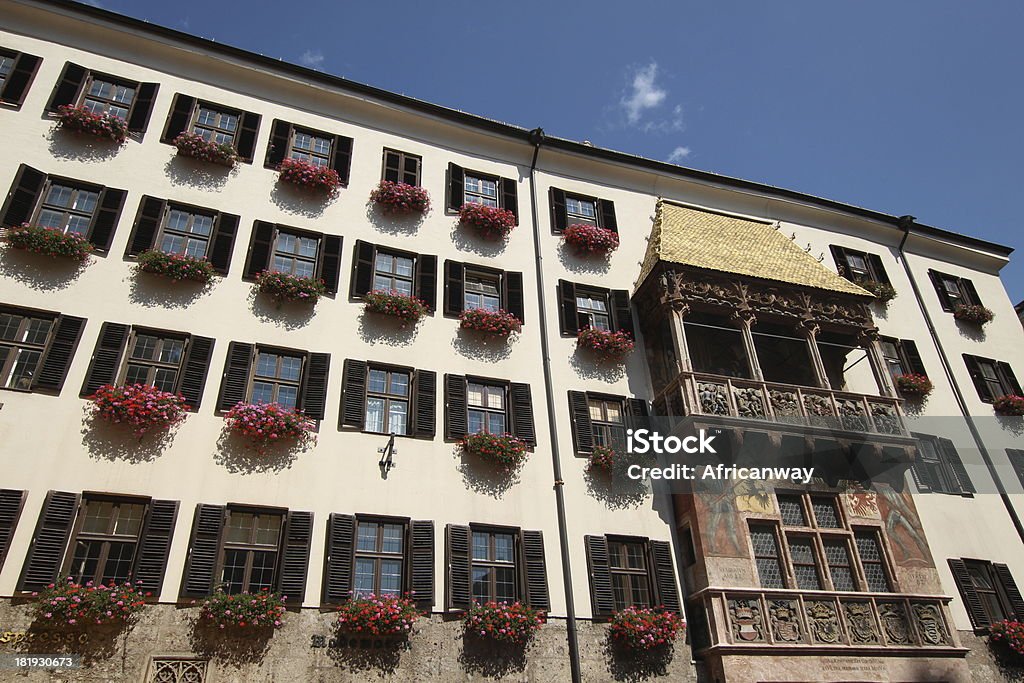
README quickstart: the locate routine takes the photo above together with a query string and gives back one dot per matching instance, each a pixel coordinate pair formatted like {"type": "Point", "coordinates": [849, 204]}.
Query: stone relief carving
{"type": "Point", "coordinates": [785, 621]}
{"type": "Point", "coordinates": [747, 623]}
{"type": "Point", "coordinates": [818, 405]}
{"type": "Point", "coordinates": [886, 418]}
{"type": "Point", "coordinates": [894, 622]}
{"type": "Point", "coordinates": [860, 622]}
{"type": "Point", "coordinates": [749, 402]}
{"type": "Point", "coordinates": [784, 403]}
{"type": "Point", "coordinates": [852, 413]}
{"type": "Point", "coordinates": [822, 621]}
{"type": "Point", "coordinates": [929, 624]}
{"type": "Point", "coordinates": [713, 399]}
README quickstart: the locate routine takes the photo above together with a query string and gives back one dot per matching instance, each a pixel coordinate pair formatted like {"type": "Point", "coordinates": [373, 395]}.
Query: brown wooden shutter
{"type": "Point", "coordinates": [421, 562]}
{"type": "Point", "coordinates": [362, 269]}
{"type": "Point", "coordinates": [940, 289]}
{"type": "Point", "coordinates": [147, 224]}
{"type": "Point", "coordinates": [21, 200]}
{"type": "Point", "coordinates": [664, 575]}
{"type": "Point", "coordinates": [234, 383]}
{"type": "Point", "coordinates": [622, 312]}
{"type": "Point", "coordinates": [923, 473]}
{"type": "Point", "coordinates": [510, 197]}
{"type": "Point", "coordinates": [330, 262]}
{"type": "Point", "coordinates": [68, 86]}
{"type": "Point", "coordinates": [248, 129]}
{"type": "Point", "coordinates": [223, 242]}
{"type": "Point", "coordinates": [341, 543]}
{"type": "Point", "coordinates": [45, 554]}
{"type": "Point", "coordinates": [11, 503]}
{"type": "Point", "coordinates": [972, 294]}
{"type": "Point", "coordinates": [456, 187]}
{"type": "Point", "coordinates": [956, 465]}
{"type": "Point", "coordinates": [104, 222]}
{"type": "Point", "coordinates": [142, 107]}
{"type": "Point", "coordinates": [426, 280]}
{"type": "Point", "coordinates": [258, 259]}
{"type": "Point", "coordinates": [298, 537]}
{"type": "Point", "coordinates": [974, 370]}
{"type": "Point", "coordinates": [972, 601]}
{"type": "Point", "coordinates": [839, 256]}
{"type": "Point", "coordinates": [425, 410]}
{"type": "Point", "coordinates": [1010, 589]}
{"type": "Point", "coordinates": [194, 369]}
{"type": "Point", "coordinates": [54, 367]}
{"type": "Point", "coordinates": [203, 551]}
{"type": "Point", "coordinates": [392, 166]}
{"type": "Point", "coordinates": [522, 413]}
{"type": "Point", "coordinates": [582, 427]}
{"type": "Point", "coordinates": [155, 546]}
{"type": "Point", "coordinates": [535, 570]}
{"type": "Point", "coordinates": [878, 268]}
{"type": "Point", "coordinates": [1016, 456]}
{"type": "Point", "coordinates": [559, 218]}
{"type": "Point", "coordinates": [913, 357]}
{"type": "Point", "coordinates": [457, 541]}
{"type": "Point", "coordinates": [514, 298]}
{"type": "Point", "coordinates": [637, 413]}
{"type": "Point", "coordinates": [18, 80]}
{"type": "Point", "coordinates": [454, 288]}
{"type": "Point", "coordinates": [1008, 379]}
{"type": "Point", "coordinates": [455, 403]}
{"type": "Point", "coordinates": [314, 387]}
{"type": "Point", "coordinates": [606, 210]}
{"type": "Point", "coordinates": [602, 598]}
{"type": "Point", "coordinates": [280, 135]}
{"type": "Point", "coordinates": [568, 320]}
{"type": "Point", "coordinates": [342, 161]}
{"type": "Point", "coordinates": [106, 357]}
{"type": "Point", "coordinates": [353, 394]}
{"type": "Point", "coordinates": [178, 118]}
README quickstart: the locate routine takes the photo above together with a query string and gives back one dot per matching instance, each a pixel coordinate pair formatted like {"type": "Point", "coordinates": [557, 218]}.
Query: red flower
{"type": "Point", "coordinates": [81, 120]}
{"type": "Point", "coordinates": [49, 241]}
{"type": "Point", "coordinates": [490, 222]}
{"type": "Point", "coordinates": [195, 146]}
{"type": "Point", "coordinates": [283, 286]}
{"type": "Point", "coordinates": [643, 628]}
{"type": "Point", "coordinates": [499, 323]}
{"type": "Point", "coordinates": [590, 239]}
{"type": "Point", "coordinates": [310, 176]}
{"type": "Point", "coordinates": [402, 306]}
{"type": "Point", "coordinates": [504, 450]}
{"type": "Point", "coordinates": [609, 346]}
{"type": "Point", "coordinates": [914, 385]}
{"type": "Point", "coordinates": [141, 406]}
{"type": "Point", "coordinates": [400, 198]}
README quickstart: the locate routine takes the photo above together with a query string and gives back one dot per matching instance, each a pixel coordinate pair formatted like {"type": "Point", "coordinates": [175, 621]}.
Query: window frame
{"type": "Point", "coordinates": [486, 410]}
{"type": "Point", "coordinates": [582, 219]}
{"type": "Point", "coordinates": [603, 430]}
{"type": "Point", "coordinates": [594, 293]}
{"type": "Point", "coordinates": [250, 547]}
{"type": "Point", "coordinates": [632, 575]}
{"type": "Point", "coordinates": [294, 257]}
{"type": "Point", "coordinates": [221, 111]}
{"type": "Point", "coordinates": [116, 81]}
{"type": "Point", "coordinates": [277, 381]}
{"type": "Point", "coordinates": [484, 275]}
{"type": "Point", "coordinates": [868, 272]}
{"type": "Point", "coordinates": [516, 564]}
{"type": "Point", "coordinates": [106, 539]}
{"type": "Point", "coordinates": [402, 172]}
{"type": "Point", "coordinates": [409, 396]}
{"type": "Point", "coordinates": [17, 347]}
{"type": "Point", "coordinates": [13, 56]}
{"type": "Point", "coordinates": [412, 279]}
{"type": "Point", "coordinates": [488, 177]}
{"type": "Point", "coordinates": [942, 470]}
{"type": "Point", "coordinates": [154, 365]}
{"type": "Point", "coordinates": [164, 228]}
{"type": "Point", "coordinates": [378, 555]}
{"type": "Point", "coordinates": [76, 187]}
{"type": "Point", "coordinates": [296, 130]}
{"type": "Point", "coordinates": [996, 591]}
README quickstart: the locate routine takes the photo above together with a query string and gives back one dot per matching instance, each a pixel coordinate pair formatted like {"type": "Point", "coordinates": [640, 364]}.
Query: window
{"type": "Point", "coordinates": [401, 167]}
{"type": "Point", "coordinates": [592, 310]}
{"type": "Point", "coordinates": [322, 149]}
{"type": "Point", "coordinates": [474, 187]}
{"type": "Point", "coordinates": [468, 286]}
{"type": "Point", "coordinates": [103, 95]}
{"type": "Point", "coordinates": [766, 555]}
{"type": "Point", "coordinates": [872, 561]}
{"type": "Point", "coordinates": [376, 267]}
{"type": "Point", "coordinates": [295, 254]}
{"type": "Point", "coordinates": [629, 571]}
{"type": "Point", "coordinates": [493, 566]}
{"type": "Point", "coordinates": [606, 421]}
{"type": "Point", "coordinates": [215, 125]}
{"type": "Point", "coordinates": [992, 378]}
{"type": "Point", "coordinates": [68, 208]}
{"type": "Point", "coordinates": [901, 357]}
{"type": "Point", "coordinates": [939, 468]}
{"type": "Point", "coordinates": [954, 291]}
{"type": "Point", "coordinates": [600, 419]}
{"type": "Point", "coordinates": [387, 401]}
{"type": "Point", "coordinates": [276, 379]}
{"type": "Point", "coordinates": [17, 70]}
{"type": "Point", "coordinates": [858, 265]}
{"type": "Point", "coordinates": [582, 306]}
{"type": "Point", "coordinates": [311, 147]}
{"type": "Point", "coordinates": [105, 542]}
{"type": "Point", "coordinates": [186, 232]}
{"type": "Point", "coordinates": [486, 408]}
{"type": "Point", "coordinates": [393, 273]}
{"type": "Point", "coordinates": [22, 344]}
{"type": "Point", "coordinates": [178, 670]}
{"type": "Point", "coordinates": [716, 346]}
{"type": "Point", "coordinates": [153, 360]}
{"type": "Point", "coordinates": [249, 556]}
{"type": "Point", "coordinates": [988, 591]}
{"type": "Point", "coordinates": [575, 209]}
{"type": "Point", "coordinates": [6, 66]}
{"type": "Point", "coordinates": [378, 558]}
{"type": "Point", "coordinates": [630, 583]}
{"type": "Point", "coordinates": [482, 290]}
{"type": "Point", "coordinates": [481, 190]}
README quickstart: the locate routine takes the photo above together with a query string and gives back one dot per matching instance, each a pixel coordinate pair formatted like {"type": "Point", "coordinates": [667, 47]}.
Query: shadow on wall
{"type": "Point", "coordinates": [474, 344]}
{"type": "Point", "coordinates": [483, 477]}
{"type": "Point", "coordinates": [615, 490]}
{"type": "Point", "coordinates": [595, 265]}
{"type": "Point", "coordinates": [93, 642]}
{"type": "Point", "coordinates": [393, 224]}
{"type": "Point", "coordinates": [969, 330]}
{"type": "Point", "coordinates": [291, 315]}
{"type": "Point", "coordinates": [117, 443]}
{"type": "Point", "coordinates": [40, 272]}
{"type": "Point", "coordinates": [239, 455]}
{"type": "Point", "coordinates": [299, 202]}
{"type": "Point", "coordinates": [1011, 423]}
{"type": "Point", "coordinates": [485, 657]}
{"type": "Point", "coordinates": [587, 366]}
{"type": "Point", "coordinates": [229, 646]}
{"type": "Point", "coordinates": [71, 146]}
{"type": "Point", "coordinates": [465, 240]}
{"type": "Point", "coordinates": [372, 657]}
{"type": "Point", "coordinates": [387, 330]}
{"type": "Point", "coordinates": [203, 175]}
{"type": "Point", "coordinates": [635, 666]}
{"type": "Point", "coordinates": [155, 291]}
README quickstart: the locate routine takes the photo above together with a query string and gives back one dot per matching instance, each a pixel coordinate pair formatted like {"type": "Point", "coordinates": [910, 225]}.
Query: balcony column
{"type": "Point", "coordinates": [868, 339]}
{"type": "Point", "coordinates": [746, 320]}
{"type": "Point", "coordinates": [810, 330]}
{"type": "Point", "coordinates": [677, 313]}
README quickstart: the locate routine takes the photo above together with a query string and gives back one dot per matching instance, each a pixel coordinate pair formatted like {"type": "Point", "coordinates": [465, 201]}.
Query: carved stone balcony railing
{"type": "Point", "coordinates": [702, 394]}
{"type": "Point", "coordinates": [756, 619]}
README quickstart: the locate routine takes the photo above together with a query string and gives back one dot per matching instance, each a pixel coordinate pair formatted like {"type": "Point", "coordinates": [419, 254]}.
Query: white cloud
{"type": "Point", "coordinates": [678, 154]}
{"type": "Point", "coordinates": [312, 58]}
{"type": "Point", "coordinates": [645, 93]}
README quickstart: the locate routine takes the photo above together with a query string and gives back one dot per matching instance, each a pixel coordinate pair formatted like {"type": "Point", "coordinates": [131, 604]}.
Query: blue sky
{"type": "Point", "coordinates": [903, 107]}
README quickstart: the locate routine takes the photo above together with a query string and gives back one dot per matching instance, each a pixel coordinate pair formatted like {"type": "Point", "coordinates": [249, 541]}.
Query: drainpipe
{"type": "Point", "coordinates": [537, 139]}
{"type": "Point", "coordinates": [905, 223]}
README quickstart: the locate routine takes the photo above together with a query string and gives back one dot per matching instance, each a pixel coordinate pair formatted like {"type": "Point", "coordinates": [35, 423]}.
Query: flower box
{"type": "Point", "coordinates": [386, 615]}
{"type": "Point", "coordinates": [503, 450]}
{"type": "Point", "coordinates": [513, 623]}
{"type": "Point", "coordinates": [602, 459]}
{"type": "Point", "coordinates": [285, 287]}
{"type": "Point", "coordinates": [883, 291]}
{"type": "Point", "coordinates": [49, 242]}
{"type": "Point", "coordinates": [176, 266]}
{"type": "Point", "coordinates": [1008, 634]}
{"type": "Point", "coordinates": [643, 628]}
{"type": "Point", "coordinates": [1009, 405]}
{"type": "Point", "coordinates": [82, 120]}
{"type": "Point", "coordinates": [142, 407]}
{"type": "Point", "coordinates": [268, 423]}
{"type": "Point", "coordinates": [489, 222]}
{"type": "Point", "coordinates": [914, 385]}
{"type": "Point", "coordinates": [498, 323]}
{"type": "Point", "coordinates": [400, 198]}
{"type": "Point", "coordinates": [609, 346]}
{"type": "Point", "coordinates": [978, 315]}
{"type": "Point", "coordinates": [250, 611]}
{"type": "Point", "coordinates": [67, 603]}
{"type": "Point", "coordinates": [401, 306]}
{"type": "Point", "coordinates": [590, 239]}
{"type": "Point", "coordinates": [309, 176]}
{"type": "Point", "coordinates": [197, 147]}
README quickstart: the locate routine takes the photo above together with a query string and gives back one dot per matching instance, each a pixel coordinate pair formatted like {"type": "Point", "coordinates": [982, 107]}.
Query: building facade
{"type": "Point", "coordinates": [757, 312]}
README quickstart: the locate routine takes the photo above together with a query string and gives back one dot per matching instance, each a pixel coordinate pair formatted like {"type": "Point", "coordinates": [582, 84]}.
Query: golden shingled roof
{"type": "Point", "coordinates": [703, 239]}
